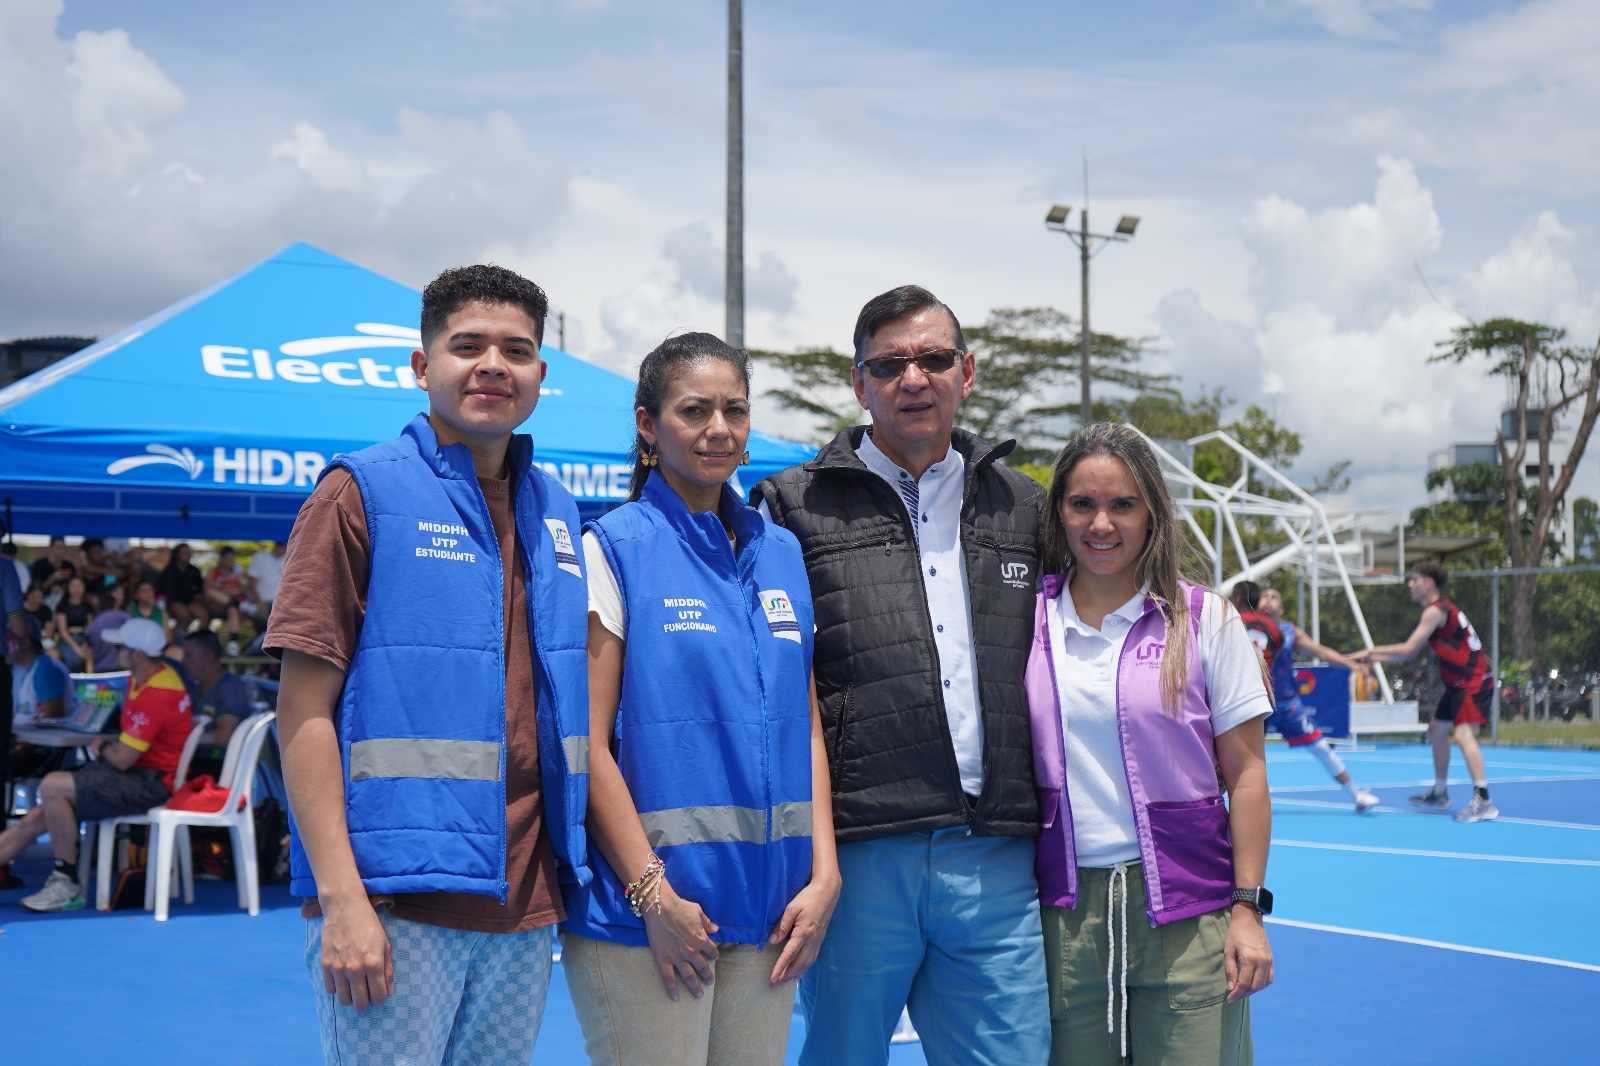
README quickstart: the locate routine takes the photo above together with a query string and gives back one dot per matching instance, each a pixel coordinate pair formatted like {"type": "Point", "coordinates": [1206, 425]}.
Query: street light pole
{"type": "Point", "coordinates": [733, 283]}
{"type": "Point", "coordinates": [1056, 221]}
{"type": "Point", "coordinates": [1085, 407]}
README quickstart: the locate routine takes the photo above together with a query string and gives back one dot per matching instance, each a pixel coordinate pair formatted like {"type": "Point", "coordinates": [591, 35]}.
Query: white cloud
{"type": "Point", "coordinates": [697, 258]}
{"type": "Point", "coordinates": [1343, 329]}
{"type": "Point", "coordinates": [1360, 18]}
{"type": "Point", "coordinates": [118, 203]}
{"type": "Point", "coordinates": [328, 168]}
{"type": "Point", "coordinates": [1358, 262]}
{"type": "Point", "coordinates": [700, 265]}
{"type": "Point", "coordinates": [1533, 278]}
{"type": "Point", "coordinates": [122, 99]}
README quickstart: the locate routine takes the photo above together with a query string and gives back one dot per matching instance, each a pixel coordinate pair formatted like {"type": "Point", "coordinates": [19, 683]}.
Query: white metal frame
{"type": "Point", "coordinates": [1312, 547]}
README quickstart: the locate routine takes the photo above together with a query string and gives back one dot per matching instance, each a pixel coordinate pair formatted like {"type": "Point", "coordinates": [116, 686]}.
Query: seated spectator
{"type": "Point", "coordinates": [184, 588]}
{"type": "Point", "coordinates": [266, 571]}
{"type": "Point", "coordinates": [72, 621]}
{"type": "Point", "coordinates": [103, 655]}
{"type": "Point", "coordinates": [130, 774]}
{"type": "Point", "coordinates": [225, 594]}
{"type": "Point", "coordinates": [146, 606]}
{"type": "Point", "coordinates": [33, 604]}
{"type": "Point", "coordinates": [136, 567]}
{"type": "Point", "coordinates": [40, 687]}
{"type": "Point", "coordinates": [223, 695]}
{"type": "Point", "coordinates": [52, 572]}
{"type": "Point", "coordinates": [100, 569]}
{"type": "Point", "coordinates": [8, 554]}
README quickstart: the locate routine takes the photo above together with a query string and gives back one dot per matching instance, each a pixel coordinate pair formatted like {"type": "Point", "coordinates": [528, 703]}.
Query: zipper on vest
{"type": "Point", "coordinates": [953, 766]}
{"type": "Point", "coordinates": [500, 626]}
{"type": "Point", "coordinates": [850, 545]}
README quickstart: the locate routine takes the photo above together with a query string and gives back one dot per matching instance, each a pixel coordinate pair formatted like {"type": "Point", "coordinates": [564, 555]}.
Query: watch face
{"type": "Point", "coordinates": [1264, 900]}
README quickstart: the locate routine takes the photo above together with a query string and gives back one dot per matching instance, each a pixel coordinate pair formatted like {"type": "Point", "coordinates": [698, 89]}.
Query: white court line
{"type": "Point", "coordinates": [1413, 785]}
{"type": "Point", "coordinates": [1427, 760]}
{"type": "Point", "coordinates": [1434, 944]}
{"type": "Point", "coordinates": [1433, 814]}
{"type": "Point", "coordinates": [1463, 781]}
{"type": "Point", "coordinates": [1432, 854]}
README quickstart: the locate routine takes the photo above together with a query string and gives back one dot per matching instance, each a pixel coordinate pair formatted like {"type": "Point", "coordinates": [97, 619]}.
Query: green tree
{"type": "Point", "coordinates": [816, 384]}
{"type": "Point", "coordinates": [1548, 380]}
{"type": "Point", "coordinates": [1028, 364]}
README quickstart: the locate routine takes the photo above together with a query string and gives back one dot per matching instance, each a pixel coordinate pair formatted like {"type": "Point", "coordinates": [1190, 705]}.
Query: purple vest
{"type": "Point", "coordinates": [1171, 763]}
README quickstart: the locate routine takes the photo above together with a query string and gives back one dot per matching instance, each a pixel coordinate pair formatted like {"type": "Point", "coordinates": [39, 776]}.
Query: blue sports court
{"type": "Point", "coordinates": [1401, 936]}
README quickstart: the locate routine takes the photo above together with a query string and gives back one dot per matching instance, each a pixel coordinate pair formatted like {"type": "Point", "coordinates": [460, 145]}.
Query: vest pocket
{"type": "Point", "coordinates": [1194, 856]}
{"type": "Point", "coordinates": [839, 734]}
{"type": "Point", "coordinates": [1193, 950]}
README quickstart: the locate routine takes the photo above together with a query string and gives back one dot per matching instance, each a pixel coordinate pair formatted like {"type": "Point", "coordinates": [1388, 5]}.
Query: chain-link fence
{"type": "Point", "coordinates": [1553, 671]}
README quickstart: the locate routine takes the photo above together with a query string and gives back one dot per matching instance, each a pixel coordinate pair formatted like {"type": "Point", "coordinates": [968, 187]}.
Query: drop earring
{"type": "Point", "coordinates": [648, 456]}
{"type": "Point", "coordinates": [746, 460]}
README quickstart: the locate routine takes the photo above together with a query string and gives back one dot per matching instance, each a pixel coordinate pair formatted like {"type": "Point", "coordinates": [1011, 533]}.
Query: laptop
{"type": "Point", "coordinates": [97, 698]}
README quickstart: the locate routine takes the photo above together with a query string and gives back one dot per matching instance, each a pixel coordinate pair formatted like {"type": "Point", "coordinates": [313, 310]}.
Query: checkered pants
{"type": "Point", "coordinates": [473, 999]}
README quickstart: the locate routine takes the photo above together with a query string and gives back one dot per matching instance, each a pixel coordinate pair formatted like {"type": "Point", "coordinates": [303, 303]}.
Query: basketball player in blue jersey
{"type": "Point", "coordinates": [1262, 613]}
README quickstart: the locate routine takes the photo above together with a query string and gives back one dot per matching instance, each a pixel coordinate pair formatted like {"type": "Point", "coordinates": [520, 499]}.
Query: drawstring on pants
{"type": "Point", "coordinates": [1118, 872]}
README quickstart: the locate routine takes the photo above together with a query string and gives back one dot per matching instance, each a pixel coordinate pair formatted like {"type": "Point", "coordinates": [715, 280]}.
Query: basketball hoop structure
{"type": "Point", "coordinates": [1311, 547]}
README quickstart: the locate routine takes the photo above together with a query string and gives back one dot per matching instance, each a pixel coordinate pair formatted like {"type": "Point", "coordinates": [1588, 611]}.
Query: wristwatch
{"type": "Point", "coordinates": [1259, 898]}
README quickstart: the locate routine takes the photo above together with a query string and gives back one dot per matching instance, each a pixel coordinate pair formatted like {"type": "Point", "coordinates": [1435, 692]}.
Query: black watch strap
{"type": "Point", "coordinates": [1259, 898]}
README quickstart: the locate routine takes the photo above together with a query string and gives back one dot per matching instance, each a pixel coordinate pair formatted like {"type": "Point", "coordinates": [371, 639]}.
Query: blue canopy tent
{"type": "Point", "coordinates": [213, 418]}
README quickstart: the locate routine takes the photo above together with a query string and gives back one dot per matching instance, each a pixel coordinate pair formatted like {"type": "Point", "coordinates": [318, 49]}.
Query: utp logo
{"type": "Point", "coordinates": [1014, 574]}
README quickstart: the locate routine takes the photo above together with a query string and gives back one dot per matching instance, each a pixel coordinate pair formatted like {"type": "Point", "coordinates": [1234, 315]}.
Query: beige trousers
{"type": "Point", "coordinates": [628, 1020]}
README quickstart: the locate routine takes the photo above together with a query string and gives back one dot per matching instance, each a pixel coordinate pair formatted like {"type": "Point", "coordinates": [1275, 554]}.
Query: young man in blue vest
{"type": "Point", "coordinates": [434, 708]}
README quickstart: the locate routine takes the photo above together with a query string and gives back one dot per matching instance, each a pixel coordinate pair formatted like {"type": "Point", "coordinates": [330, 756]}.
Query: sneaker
{"type": "Point", "coordinates": [1433, 798]}
{"type": "Point", "coordinates": [1365, 801]}
{"type": "Point", "coordinates": [1479, 810]}
{"type": "Point", "coordinates": [60, 893]}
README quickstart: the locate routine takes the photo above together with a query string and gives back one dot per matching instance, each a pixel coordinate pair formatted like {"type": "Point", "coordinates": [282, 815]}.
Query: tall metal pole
{"type": "Point", "coordinates": [1085, 408]}
{"type": "Point", "coordinates": [733, 285]}
{"type": "Point", "coordinates": [1494, 656]}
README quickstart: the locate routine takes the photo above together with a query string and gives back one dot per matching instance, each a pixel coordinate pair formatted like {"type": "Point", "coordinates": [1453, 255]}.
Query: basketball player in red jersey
{"type": "Point", "coordinates": [1468, 678]}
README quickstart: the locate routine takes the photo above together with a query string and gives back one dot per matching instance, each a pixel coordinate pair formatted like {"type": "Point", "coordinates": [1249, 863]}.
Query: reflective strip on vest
{"type": "Point", "coordinates": [577, 749]}
{"type": "Point", "coordinates": [456, 760]}
{"type": "Point", "coordinates": [724, 825]}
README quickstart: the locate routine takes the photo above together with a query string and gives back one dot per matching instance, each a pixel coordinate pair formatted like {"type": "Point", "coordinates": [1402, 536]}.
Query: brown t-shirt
{"type": "Point", "coordinates": [319, 608]}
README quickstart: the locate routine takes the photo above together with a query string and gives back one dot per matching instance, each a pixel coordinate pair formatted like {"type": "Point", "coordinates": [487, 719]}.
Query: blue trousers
{"type": "Point", "coordinates": [460, 999]}
{"type": "Point", "coordinates": [946, 924]}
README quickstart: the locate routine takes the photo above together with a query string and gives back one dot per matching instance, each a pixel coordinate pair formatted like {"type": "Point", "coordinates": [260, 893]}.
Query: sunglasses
{"type": "Point", "coordinates": [892, 366]}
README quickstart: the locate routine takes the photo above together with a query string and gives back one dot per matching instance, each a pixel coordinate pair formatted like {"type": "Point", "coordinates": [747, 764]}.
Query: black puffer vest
{"type": "Point", "coordinates": [876, 665]}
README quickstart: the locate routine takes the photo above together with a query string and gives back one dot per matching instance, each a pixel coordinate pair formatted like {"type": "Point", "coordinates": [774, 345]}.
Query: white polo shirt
{"type": "Point", "coordinates": [937, 519]}
{"type": "Point", "coordinates": [1086, 659]}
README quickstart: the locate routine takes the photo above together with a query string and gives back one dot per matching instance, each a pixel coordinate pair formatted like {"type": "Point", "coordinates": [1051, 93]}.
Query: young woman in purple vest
{"type": "Point", "coordinates": [1147, 700]}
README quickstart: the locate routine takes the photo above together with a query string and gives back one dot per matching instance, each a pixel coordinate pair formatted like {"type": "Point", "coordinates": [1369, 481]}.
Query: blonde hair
{"type": "Point", "coordinates": [1159, 568]}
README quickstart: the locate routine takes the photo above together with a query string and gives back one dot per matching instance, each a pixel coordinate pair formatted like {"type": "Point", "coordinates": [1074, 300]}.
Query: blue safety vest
{"type": "Point", "coordinates": [1284, 686]}
{"type": "Point", "coordinates": [713, 730]}
{"type": "Point", "coordinates": [422, 720]}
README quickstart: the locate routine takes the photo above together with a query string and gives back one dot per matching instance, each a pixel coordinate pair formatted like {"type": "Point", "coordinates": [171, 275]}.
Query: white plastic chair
{"type": "Point", "coordinates": [107, 827]}
{"type": "Point", "coordinates": [169, 829]}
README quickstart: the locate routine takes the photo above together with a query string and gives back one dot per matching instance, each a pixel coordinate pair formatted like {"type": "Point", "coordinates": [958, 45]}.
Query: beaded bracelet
{"type": "Point", "coordinates": [655, 872]}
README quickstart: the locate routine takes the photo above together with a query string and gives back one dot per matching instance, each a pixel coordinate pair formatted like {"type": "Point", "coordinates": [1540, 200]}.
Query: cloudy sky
{"type": "Point", "coordinates": [1326, 185]}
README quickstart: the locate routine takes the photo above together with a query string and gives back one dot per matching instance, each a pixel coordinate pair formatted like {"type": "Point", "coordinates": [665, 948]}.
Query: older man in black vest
{"type": "Point", "coordinates": [922, 552]}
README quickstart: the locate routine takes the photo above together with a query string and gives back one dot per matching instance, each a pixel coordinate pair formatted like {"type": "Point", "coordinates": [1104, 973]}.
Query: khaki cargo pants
{"type": "Point", "coordinates": [1177, 1015]}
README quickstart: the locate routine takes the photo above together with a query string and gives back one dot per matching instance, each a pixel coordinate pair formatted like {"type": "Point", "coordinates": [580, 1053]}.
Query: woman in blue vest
{"type": "Point", "coordinates": [709, 793]}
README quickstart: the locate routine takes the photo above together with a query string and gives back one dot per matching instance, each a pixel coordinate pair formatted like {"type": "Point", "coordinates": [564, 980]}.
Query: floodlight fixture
{"type": "Point", "coordinates": [1057, 217]}
{"type": "Point", "coordinates": [1128, 224]}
